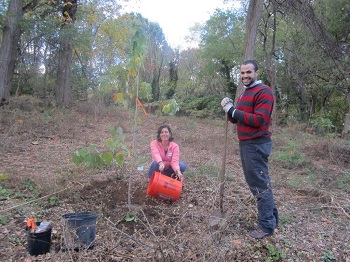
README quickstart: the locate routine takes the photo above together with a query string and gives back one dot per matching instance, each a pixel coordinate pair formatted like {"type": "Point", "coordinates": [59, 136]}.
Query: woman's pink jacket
{"type": "Point", "coordinates": [169, 158]}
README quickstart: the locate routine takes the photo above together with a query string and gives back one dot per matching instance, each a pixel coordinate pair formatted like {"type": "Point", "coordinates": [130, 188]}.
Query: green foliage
{"type": "Point", "coordinates": [322, 125]}
{"type": "Point", "coordinates": [285, 220]}
{"type": "Point", "coordinates": [222, 49]}
{"type": "Point", "coordinates": [328, 256]}
{"type": "Point", "coordinates": [170, 107]}
{"type": "Point", "coordinates": [202, 107]}
{"type": "Point", "coordinates": [3, 177]}
{"type": "Point", "coordinates": [90, 157]}
{"type": "Point", "coordinates": [275, 253]}
{"type": "Point", "coordinates": [31, 186]}
{"type": "Point", "coordinates": [109, 48]}
{"type": "Point", "coordinates": [138, 50]}
{"type": "Point", "coordinates": [47, 115]}
{"type": "Point", "coordinates": [87, 156]}
{"type": "Point", "coordinates": [53, 200]}
{"type": "Point", "coordinates": [208, 170]}
{"type": "Point", "coordinates": [130, 218]}
{"type": "Point", "coordinates": [145, 91]}
{"type": "Point", "coordinates": [290, 156]}
{"type": "Point", "coordinates": [344, 181]}
{"type": "Point", "coordinates": [4, 219]}
{"type": "Point", "coordinates": [5, 192]}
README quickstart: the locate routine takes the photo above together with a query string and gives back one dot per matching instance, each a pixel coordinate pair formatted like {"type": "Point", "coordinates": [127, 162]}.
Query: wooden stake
{"type": "Point", "coordinates": [223, 168]}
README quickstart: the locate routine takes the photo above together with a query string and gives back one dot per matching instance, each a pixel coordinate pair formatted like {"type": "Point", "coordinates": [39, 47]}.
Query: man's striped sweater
{"type": "Point", "coordinates": [253, 113]}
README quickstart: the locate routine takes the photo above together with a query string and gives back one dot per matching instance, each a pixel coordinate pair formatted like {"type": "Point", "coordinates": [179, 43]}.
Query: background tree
{"type": "Point", "coordinates": [302, 48]}
{"type": "Point", "coordinates": [254, 13]}
{"type": "Point", "coordinates": [63, 84]}
{"type": "Point", "coordinates": [316, 69]}
{"type": "Point", "coordinates": [9, 47]}
{"type": "Point", "coordinates": [222, 49]}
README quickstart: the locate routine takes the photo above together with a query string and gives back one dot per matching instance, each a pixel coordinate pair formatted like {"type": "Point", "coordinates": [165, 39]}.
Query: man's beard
{"type": "Point", "coordinates": [251, 81]}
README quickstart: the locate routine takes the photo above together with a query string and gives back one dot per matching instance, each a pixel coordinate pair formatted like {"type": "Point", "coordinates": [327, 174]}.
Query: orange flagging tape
{"type": "Point", "coordinates": [141, 105]}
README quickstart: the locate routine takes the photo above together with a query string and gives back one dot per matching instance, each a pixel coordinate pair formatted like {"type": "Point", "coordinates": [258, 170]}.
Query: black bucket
{"type": "Point", "coordinates": [79, 230]}
{"type": "Point", "coordinates": [39, 243]}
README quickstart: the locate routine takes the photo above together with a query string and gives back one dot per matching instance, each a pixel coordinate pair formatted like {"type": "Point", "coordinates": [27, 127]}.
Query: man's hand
{"type": "Point", "coordinates": [226, 104]}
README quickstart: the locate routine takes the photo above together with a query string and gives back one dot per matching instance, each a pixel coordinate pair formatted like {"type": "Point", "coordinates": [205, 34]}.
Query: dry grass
{"type": "Point", "coordinates": [313, 198]}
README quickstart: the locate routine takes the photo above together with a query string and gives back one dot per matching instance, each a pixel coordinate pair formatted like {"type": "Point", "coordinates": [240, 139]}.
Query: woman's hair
{"type": "Point", "coordinates": [171, 138]}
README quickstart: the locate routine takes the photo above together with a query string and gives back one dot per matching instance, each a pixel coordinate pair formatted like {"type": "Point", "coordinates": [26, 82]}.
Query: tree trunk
{"type": "Point", "coordinates": [347, 121]}
{"type": "Point", "coordinates": [63, 87]}
{"type": "Point", "coordinates": [304, 97]}
{"type": "Point", "coordinates": [270, 58]}
{"type": "Point", "coordinates": [255, 9]}
{"type": "Point", "coordinates": [8, 49]}
{"type": "Point", "coordinates": [253, 18]}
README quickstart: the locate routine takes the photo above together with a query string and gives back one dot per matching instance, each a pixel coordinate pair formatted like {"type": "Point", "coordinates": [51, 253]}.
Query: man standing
{"type": "Point", "coordinates": [253, 118]}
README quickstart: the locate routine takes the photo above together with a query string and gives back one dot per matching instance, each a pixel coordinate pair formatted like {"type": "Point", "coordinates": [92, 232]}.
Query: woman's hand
{"type": "Point", "coordinates": [180, 175]}
{"type": "Point", "coordinates": [161, 166]}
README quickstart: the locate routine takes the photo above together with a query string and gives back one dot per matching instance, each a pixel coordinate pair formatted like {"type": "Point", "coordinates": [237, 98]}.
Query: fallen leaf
{"type": "Point", "coordinates": [299, 197]}
{"type": "Point", "coordinates": [3, 176]}
{"type": "Point", "coordinates": [236, 242]}
{"type": "Point", "coordinates": [326, 220]}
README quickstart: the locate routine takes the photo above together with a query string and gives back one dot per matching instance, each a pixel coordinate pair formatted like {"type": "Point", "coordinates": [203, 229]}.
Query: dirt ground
{"type": "Point", "coordinates": [35, 154]}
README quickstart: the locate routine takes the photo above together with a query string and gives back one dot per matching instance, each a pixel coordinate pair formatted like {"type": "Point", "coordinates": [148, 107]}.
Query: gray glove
{"type": "Point", "coordinates": [226, 104]}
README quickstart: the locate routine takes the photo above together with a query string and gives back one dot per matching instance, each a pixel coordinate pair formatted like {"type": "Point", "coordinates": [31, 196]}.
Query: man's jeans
{"type": "Point", "coordinates": [254, 159]}
{"type": "Point", "coordinates": [168, 172]}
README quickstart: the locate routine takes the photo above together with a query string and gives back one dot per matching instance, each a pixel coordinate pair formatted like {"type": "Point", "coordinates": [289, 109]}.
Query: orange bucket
{"type": "Point", "coordinates": [164, 187]}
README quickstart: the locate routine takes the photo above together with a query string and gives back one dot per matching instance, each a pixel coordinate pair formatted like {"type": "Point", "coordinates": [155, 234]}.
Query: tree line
{"type": "Point", "coordinates": [69, 50]}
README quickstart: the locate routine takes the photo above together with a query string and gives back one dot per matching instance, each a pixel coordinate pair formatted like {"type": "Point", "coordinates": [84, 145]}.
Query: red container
{"type": "Point", "coordinates": [164, 187]}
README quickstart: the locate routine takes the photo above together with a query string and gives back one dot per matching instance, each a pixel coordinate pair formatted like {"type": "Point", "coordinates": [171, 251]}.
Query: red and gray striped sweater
{"type": "Point", "coordinates": [253, 114]}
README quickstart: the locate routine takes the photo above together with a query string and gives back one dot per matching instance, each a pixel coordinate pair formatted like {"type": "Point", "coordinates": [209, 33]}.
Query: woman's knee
{"type": "Point", "coordinates": [154, 164]}
{"type": "Point", "coordinates": [183, 166]}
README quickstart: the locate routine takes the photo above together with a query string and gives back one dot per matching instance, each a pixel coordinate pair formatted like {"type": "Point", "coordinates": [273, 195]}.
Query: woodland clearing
{"type": "Point", "coordinates": [310, 175]}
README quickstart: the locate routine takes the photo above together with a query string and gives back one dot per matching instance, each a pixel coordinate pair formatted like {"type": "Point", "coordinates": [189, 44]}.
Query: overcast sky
{"type": "Point", "coordinates": [175, 17]}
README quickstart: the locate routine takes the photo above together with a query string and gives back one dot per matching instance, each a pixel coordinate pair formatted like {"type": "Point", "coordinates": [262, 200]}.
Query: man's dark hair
{"type": "Point", "coordinates": [251, 62]}
{"type": "Point", "coordinates": [160, 131]}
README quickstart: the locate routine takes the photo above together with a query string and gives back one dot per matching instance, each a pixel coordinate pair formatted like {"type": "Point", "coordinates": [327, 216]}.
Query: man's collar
{"type": "Point", "coordinates": [254, 84]}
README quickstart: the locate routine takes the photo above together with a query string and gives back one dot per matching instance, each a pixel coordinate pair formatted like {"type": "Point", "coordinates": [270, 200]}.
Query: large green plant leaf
{"type": "Point", "coordinates": [119, 157]}
{"type": "Point", "coordinates": [107, 158]}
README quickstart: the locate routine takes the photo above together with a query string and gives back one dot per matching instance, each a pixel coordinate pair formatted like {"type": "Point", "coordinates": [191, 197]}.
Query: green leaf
{"type": "Point", "coordinates": [3, 176]}
{"type": "Point", "coordinates": [129, 218]}
{"type": "Point", "coordinates": [77, 159]}
{"type": "Point", "coordinates": [90, 159]}
{"type": "Point", "coordinates": [81, 152]}
{"type": "Point", "coordinates": [52, 200]}
{"type": "Point", "coordinates": [3, 192]}
{"type": "Point", "coordinates": [119, 157]}
{"type": "Point", "coordinates": [91, 148]}
{"type": "Point", "coordinates": [107, 158]}
{"type": "Point", "coordinates": [99, 161]}
{"type": "Point", "coordinates": [114, 133]}
{"type": "Point", "coordinates": [165, 109]}
{"type": "Point", "coordinates": [4, 220]}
